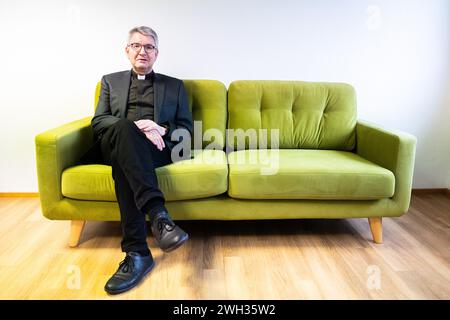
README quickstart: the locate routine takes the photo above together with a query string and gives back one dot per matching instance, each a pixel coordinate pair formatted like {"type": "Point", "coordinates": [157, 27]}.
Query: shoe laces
{"type": "Point", "coordinates": [165, 223]}
{"type": "Point", "coordinates": [127, 264]}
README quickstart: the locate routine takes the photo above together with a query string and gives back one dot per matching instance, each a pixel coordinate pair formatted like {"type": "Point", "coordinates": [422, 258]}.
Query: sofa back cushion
{"type": "Point", "coordinates": [308, 115]}
{"type": "Point", "coordinates": [208, 104]}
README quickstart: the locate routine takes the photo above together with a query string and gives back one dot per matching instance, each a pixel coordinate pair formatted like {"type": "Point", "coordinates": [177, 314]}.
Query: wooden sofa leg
{"type": "Point", "coordinates": [76, 229]}
{"type": "Point", "coordinates": [377, 229]}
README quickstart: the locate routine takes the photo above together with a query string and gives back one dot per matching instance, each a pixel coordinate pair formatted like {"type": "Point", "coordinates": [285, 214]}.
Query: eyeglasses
{"type": "Point", "coordinates": [137, 47]}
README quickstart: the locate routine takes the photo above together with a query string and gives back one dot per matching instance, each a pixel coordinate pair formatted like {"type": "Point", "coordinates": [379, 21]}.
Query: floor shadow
{"type": "Point", "coordinates": [99, 234]}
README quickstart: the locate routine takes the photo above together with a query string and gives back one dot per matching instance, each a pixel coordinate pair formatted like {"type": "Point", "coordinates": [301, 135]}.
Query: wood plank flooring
{"type": "Point", "coordinates": [296, 259]}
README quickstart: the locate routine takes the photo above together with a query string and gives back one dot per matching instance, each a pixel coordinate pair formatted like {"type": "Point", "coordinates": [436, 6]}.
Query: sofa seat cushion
{"type": "Point", "coordinates": [203, 176]}
{"type": "Point", "coordinates": [306, 174]}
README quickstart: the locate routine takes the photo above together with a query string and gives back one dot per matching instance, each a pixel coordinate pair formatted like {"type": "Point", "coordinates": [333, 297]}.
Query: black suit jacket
{"type": "Point", "coordinates": [171, 107]}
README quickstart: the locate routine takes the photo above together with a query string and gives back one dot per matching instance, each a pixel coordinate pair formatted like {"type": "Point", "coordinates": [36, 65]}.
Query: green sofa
{"type": "Point", "coordinates": [324, 164]}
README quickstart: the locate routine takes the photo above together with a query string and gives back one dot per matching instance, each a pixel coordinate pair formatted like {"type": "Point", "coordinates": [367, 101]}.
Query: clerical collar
{"type": "Point", "coordinates": [148, 76]}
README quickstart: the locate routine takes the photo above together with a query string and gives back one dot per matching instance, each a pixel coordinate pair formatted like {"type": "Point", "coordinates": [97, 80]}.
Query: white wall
{"type": "Point", "coordinates": [395, 52]}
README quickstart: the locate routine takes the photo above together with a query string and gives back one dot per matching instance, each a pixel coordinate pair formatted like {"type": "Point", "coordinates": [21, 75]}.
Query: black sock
{"type": "Point", "coordinates": [154, 206]}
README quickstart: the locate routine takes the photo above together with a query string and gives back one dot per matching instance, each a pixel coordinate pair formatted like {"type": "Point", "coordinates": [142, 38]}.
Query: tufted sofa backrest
{"type": "Point", "coordinates": [308, 115]}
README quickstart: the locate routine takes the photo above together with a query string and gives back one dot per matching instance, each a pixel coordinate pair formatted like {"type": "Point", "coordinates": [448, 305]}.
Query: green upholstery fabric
{"type": "Point", "coordinates": [393, 150]}
{"type": "Point", "coordinates": [208, 103]}
{"type": "Point", "coordinates": [204, 176]}
{"type": "Point", "coordinates": [226, 208]}
{"type": "Point", "coordinates": [307, 174]}
{"type": "Point", "coordinates": [56, 150]}
{"type": "Point", "coordinates": [308, 115]}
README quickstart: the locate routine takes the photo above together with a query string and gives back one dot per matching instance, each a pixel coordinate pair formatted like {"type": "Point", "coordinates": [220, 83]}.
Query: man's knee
{"type": "Point", "coordinates": [124, 124]}
{"type": "Point", "coordinates": [125, 127]}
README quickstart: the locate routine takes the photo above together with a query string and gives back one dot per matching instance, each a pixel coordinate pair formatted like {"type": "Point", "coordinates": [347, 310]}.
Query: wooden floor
{"type": "Point", "coordinates": [300, 259]}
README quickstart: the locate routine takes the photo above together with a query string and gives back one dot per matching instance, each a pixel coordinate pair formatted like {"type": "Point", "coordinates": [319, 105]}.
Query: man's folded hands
{"type": "Point", "coordinates": [152, 131]}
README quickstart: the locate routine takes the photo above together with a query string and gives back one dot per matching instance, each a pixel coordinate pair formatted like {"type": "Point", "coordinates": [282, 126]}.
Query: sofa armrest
{"type": "Point", "coordinates": [393, 150]}
{"type": "Point", "coordinates": [56, 150]}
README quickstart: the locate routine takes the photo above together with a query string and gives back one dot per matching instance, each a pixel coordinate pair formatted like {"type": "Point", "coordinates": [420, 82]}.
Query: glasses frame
{"type": "Point", "coordinates": [148, 48]}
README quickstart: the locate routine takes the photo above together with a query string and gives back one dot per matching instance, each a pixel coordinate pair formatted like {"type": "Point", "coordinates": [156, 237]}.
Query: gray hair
{"type": "Point", "coordinates": [146, 31]}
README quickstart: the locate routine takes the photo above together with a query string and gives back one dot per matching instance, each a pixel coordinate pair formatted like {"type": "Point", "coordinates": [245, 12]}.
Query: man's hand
{"type": "Point", "coordinates": [154, 136]}
{"type": "Point", "coordinates": [146, 125]}
{"type": "Point", "coordinates": [152, 131]}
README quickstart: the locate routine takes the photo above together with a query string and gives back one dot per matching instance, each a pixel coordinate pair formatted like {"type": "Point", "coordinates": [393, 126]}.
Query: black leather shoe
{"type": "Point", "coordinates": [168, 235]}
{"type": "Point", "coordinates": [131, 271]}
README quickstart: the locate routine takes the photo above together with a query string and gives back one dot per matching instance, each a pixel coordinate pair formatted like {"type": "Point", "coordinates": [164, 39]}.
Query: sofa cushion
{"type": "Point", "coordinates": [306, 174]}
{"type": "Point", "coordinates": [203, 176]}
{"type": "Point", "coordinates": [208, 103]}
{"type": "Point", "coordinates": [308, 115]}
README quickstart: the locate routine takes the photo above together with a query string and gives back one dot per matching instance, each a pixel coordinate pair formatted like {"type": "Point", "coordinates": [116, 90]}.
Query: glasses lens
{"type": "Point", "coordinates": [137, 47]}
{"type": "Point", "coordinates": [149, 48]}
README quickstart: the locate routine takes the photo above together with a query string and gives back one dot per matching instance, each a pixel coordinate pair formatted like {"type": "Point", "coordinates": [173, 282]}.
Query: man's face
{"type": "Point", "coordinates": [141, 60]}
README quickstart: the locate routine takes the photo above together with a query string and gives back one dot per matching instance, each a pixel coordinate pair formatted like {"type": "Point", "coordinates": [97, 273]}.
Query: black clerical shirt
{"type": "Point", "coordinates": [141, 97]}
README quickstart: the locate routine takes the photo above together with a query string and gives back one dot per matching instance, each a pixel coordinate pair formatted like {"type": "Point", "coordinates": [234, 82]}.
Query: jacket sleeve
{"type": "Point", "coordinates": [103, 118]}
{"type": "Point", "coordinates": [183, 117]}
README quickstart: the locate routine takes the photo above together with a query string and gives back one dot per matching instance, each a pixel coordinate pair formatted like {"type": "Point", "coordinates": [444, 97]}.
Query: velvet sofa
{"type": "Point", "coordinates": [262, 150]}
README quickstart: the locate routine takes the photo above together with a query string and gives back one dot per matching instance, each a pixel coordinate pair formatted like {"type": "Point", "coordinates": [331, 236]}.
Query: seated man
{"type": "Point", "coordinates": [136, 114]}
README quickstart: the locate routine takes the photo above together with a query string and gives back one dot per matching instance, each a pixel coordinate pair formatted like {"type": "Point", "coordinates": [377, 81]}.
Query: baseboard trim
{"type": "Point", "coordinates": [429, 191]}
{"type": "Point", "coordinates": [19, 194]}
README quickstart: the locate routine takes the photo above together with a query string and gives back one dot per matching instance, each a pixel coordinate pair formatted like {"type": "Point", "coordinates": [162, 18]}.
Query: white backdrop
{"type": "Point", "coordinates": [395, 53]}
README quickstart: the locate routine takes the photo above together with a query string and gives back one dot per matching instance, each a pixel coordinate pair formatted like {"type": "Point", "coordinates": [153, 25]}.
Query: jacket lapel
{"type": "Point", "coordinates": [159, 86]}
{"type": "Point", "coordinates": [124, 88]}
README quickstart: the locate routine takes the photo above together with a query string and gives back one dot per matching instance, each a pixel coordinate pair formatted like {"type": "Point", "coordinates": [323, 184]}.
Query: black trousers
{"type": "Point", "coordinates": [134, 159]}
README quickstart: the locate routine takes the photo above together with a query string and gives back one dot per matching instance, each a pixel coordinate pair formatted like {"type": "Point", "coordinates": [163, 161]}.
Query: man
{"type": "Point", "coordinates": [136, 114]}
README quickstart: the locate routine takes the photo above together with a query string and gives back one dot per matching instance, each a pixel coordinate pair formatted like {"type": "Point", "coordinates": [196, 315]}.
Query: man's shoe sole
{"type": "Point", "coordinates": [135, 284]}
{"type": "Point", "coordinates": [177, 244]}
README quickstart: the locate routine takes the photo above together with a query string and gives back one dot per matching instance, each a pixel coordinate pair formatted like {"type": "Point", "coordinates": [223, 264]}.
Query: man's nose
{"type": "Point", "coordinates": [142, 51]}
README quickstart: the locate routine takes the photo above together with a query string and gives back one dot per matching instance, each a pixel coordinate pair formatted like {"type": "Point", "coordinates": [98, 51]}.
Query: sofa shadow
{"type": "Point", "coordinates": [292, 232]}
